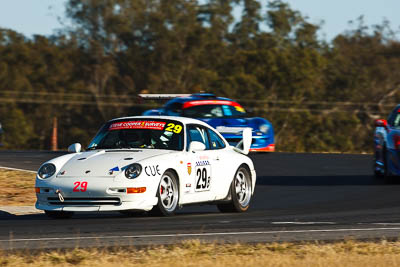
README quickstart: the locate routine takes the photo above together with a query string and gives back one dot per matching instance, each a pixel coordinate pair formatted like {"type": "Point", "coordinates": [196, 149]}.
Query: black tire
{"type": "Point", "coordinates": [387, 175]}
{"type": "Point", "coordinates": [59, 214]}
{"type": "Point", "coordinates": [379, 174]}
{"type": "Point", "coordinates": [167, 194]}
{"type": "Point", "coordinates": [240, 197]}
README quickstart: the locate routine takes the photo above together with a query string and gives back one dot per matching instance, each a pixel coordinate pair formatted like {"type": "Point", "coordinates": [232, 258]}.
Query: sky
{"type": "Point", "coordinates": [336, 14]}
{"type": "Point", "coordinates": [31, 17]}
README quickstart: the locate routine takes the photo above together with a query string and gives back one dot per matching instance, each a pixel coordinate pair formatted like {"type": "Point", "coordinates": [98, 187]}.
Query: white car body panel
{"type": "Point", "coordinates": [103, 172]}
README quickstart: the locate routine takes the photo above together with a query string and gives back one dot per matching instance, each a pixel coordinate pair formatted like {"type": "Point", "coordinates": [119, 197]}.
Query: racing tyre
{"type": "Point", "coordinates": [381, 172]}
{"type": "Point", "coordinates": [59, 214]}
{"type": "Point", "coordinates": [167, 194]}
{"type": "Point", "coordinates": [387, 175]}
{"type": "Point", "coordinates": [240, 192]}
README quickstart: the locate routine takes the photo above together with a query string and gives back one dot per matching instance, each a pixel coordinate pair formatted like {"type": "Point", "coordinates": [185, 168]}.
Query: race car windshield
{"type": "Point", "coordinates": [140, 133]}
{"type": "Point", "coordinates": [214, 111]}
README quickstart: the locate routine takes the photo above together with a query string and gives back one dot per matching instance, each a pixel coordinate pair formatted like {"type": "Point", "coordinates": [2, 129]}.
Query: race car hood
{"type": "Point", "coordinates": [235, 125]}
{"type": "Point", "coordinates": [104, 163]}
{"type": "Point", "coordinates": [231, 122]}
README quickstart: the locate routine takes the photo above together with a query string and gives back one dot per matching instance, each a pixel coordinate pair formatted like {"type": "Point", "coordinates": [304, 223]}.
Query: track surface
{"type": "Point", "coordinates": [298, 197]}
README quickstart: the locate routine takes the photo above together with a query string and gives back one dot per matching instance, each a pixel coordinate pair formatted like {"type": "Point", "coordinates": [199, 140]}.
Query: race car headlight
{"type": "Point", "coordinates": [264, 128]}
{"type": "Point", "coordinates": [47, 170]}
{"type": "Point", "coordinates": [133, 171]}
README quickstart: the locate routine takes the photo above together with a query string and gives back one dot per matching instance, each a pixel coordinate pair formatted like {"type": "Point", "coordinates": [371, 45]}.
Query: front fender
{"type": "Point", "coordinates": [154, 168]}
{"type": "Point", "coordinates": [59, 162]}
{"type": "Point", "coordinates": [256, 122]}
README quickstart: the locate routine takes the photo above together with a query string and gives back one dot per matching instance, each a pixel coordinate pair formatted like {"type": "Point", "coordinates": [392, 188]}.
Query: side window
{"type": "Point", "coordinates": [396, 121]}
{"type": "Point", "coordinates": [215, 140]}
{"type": "Point", "coordinates": [393, 116]}
{"type": "Point", "coordinates": [198, 133]}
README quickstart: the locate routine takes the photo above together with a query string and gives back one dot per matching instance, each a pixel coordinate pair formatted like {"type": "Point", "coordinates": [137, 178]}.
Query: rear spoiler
{"type": "Point", "coordinates": [162, 96]}
{"type": "Point", "coordinates": [243, 146]}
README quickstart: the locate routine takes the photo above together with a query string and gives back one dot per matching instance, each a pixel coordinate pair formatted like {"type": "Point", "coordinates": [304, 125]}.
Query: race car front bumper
{"type": "Point", "coordinates": [62, 194]}
{"type": "Point", "coordinates": [268, 148]}
{"type": "Point", "coordinates": [69, 205]}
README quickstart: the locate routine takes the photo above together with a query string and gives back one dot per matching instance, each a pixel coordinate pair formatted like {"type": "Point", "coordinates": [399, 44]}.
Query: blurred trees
{"type": "Point", "coordinates": [320, 96]}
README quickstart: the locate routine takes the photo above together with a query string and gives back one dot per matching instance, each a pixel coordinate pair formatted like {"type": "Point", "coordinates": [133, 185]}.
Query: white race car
{"type": "Point", "coordinates": [148, 163]}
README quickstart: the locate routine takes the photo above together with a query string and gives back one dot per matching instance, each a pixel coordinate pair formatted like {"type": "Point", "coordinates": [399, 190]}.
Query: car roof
{"type": "Point", "coordinates": [184, 120]}
{"type": "Point", "coordinates": [197, 97]}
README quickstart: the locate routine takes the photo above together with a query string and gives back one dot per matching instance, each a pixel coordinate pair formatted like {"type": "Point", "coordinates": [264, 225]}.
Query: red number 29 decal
{"type": "Point", "coordinates": [82, 185]}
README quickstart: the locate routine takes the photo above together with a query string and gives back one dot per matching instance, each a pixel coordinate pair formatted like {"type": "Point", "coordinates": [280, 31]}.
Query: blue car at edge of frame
{"type": "Point", "coordinates": [387, 146]}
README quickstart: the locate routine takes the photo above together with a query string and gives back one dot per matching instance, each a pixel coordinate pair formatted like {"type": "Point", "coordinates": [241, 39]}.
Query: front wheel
{"type": "Point", "coordinates": [240, 192]}
{"type": "Point", "coordinates": [59, 214]}
{"type": "Point", "coordinates": [167, 194]}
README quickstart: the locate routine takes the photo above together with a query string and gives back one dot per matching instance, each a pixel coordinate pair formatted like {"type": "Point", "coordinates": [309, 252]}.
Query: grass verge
{"type": "Point", "coordinates": [196, 253]}
{"type": "Point", "coordinates": [17, 188]}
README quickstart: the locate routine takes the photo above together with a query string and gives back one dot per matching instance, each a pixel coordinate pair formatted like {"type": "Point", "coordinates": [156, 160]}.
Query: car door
{"type": "Point", "coordinates": [223, 169]}
{"type": "Point", "coordinates": [393, 140]}
{"type": "Point", "coordinates": [201, 167]}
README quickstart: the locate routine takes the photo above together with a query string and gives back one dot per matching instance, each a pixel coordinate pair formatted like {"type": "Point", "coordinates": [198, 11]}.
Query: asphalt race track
{"type": "Point", "coordinates": [298, 197]}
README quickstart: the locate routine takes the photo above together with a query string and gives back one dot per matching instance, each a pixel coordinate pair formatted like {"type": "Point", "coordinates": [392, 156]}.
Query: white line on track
{"type": "Point", "coordinates": [15, 169]}
{"type": "Point", "coordinates": [386, 223]}
{"type": "Point", "coordinates": [304, 223]}
{"type": "Point", "coordinates": [201, 234]}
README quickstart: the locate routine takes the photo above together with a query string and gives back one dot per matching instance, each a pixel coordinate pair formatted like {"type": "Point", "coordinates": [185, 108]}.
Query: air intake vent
{"type": "Point", "coordinates": [73, 201]}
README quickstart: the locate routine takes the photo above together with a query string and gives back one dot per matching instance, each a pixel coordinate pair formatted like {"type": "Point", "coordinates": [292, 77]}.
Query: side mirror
{"type": "Point", "coordinates": [75, 148]}
{"type": "Point", "coordinates": [196, 146]}
{"type": "Point", "coordinates": [381, 123]}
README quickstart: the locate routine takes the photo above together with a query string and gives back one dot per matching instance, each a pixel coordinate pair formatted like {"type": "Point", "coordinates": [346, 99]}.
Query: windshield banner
{"type": "Point", "coordinates": [153, 125]}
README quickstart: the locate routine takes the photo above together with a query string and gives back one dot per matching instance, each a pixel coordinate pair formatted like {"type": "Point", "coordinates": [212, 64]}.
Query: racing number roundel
{"type": "Point", "coordinates": [203, 176]}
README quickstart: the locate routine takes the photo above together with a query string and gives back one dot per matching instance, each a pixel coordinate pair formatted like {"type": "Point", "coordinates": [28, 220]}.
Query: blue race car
{"type": "Point", "coordinates": [224, 114]}
{"type": "Point", "coordinates": [387, 146]}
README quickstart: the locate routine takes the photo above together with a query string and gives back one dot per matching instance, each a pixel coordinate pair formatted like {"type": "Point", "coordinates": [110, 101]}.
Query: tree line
{"type": "Point", "coordinates": [319, 95]}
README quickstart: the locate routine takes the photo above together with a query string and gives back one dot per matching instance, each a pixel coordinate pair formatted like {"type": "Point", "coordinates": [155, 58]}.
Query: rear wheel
{"type": "Point", "coordinates": [167, 194]}
{"type": "Point", "coordinates": [379, 165]}
{"type": "Point", "coordinates": [59, 214]}
{"type": "Point", "coordinates": [386, 174]}
{"type": "Point", "coordinates": [240, 192]}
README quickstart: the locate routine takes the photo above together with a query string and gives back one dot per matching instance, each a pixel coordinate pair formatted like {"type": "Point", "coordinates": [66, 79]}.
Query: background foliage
{"type": "Point", "coordinates": [319, 96]}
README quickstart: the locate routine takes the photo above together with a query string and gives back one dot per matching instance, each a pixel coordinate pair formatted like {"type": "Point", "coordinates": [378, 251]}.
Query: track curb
{"type": "Point", "coordinates": [7, 211]}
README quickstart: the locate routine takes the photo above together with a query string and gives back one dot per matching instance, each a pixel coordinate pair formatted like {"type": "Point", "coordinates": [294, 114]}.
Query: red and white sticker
{"type": "Point", "coordinates": [153, 125]}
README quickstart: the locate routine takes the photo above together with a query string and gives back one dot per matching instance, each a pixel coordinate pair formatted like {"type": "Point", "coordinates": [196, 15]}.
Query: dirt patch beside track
{"type": "Point", "coordinates": [17, 188]}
